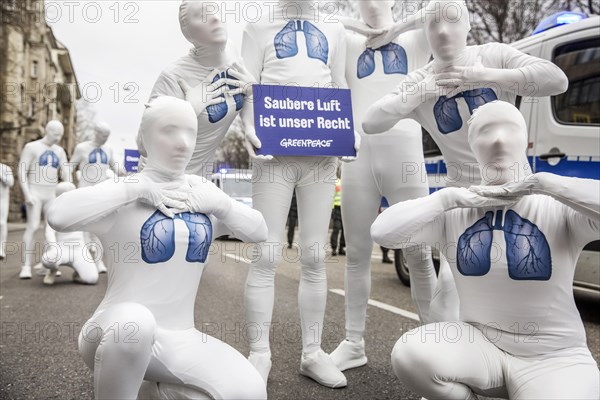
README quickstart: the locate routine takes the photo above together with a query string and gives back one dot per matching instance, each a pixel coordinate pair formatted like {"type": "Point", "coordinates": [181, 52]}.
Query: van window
{"type": "Point", "coordinates": [580, 105]}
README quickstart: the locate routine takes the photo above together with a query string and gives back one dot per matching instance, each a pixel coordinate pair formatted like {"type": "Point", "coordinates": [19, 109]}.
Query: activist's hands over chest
{"type": "Point", "coordinates": [299, 52]}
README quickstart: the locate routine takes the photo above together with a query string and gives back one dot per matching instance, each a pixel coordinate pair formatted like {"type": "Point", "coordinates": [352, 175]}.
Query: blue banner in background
{"type": "Point", "coordinates": [132, 157]}
{"type": "Point", "coordinates": [303, 121]}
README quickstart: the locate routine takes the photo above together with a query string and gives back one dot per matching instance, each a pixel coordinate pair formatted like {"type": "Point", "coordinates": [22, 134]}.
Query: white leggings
{"type": "Point", "coordinates": [44, 196]}
{"type": "Point", "coordinates": [123, 346]}
{"type": "Point", "coordinates": [454, 360]}
{"type": "Point", "coordinates": [389, 166]}
{"type": "Point", "coordinates": [274, 182]}
{"type": "Point", "coordinates": [57, 254]}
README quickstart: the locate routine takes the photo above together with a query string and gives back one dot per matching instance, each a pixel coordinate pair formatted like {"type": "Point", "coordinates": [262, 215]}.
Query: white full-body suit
{"type": "Point", "coordinates": [93, 159]}
{"type": "Point", "coordinates": [389, 165]}
{"type": "Point", "coordinates": [7, 181]}
{"type": "Point", "coordinates": [40, 165]}
{"type": "Point", "coordinates": [209, 61]}
{"type": "Point", "coordinates": [144, 326]}
{"type": "Point", "coordinates": [275, 180]}
{"type": "Point", "coordinates": [513, 245]}
{"type": "Point", "coordinates": [69, 249]}
{"type": "Point", "coordinates": [488, 72]}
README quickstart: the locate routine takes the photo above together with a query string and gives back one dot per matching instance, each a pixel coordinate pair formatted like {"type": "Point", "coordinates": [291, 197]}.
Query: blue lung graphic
{"type": "Point", "coordinates": [48, 158]}
{"type": "Point", "coordinates": [446, 111]}
{"type": "Point", "coordinates": [98, 156]}
{"type": "Point", "coordinates": [395, 61]}
{"type": "Point", "coordinates": [217, 112]}
{"type": "Point", "coordinates": [157, 237]}
{"type": "Point", "coordinates": [474, 247]}
{"type": "Point", "coordinates": [527, 250]}
{"type": "Point", "coordinates": [286, 41]}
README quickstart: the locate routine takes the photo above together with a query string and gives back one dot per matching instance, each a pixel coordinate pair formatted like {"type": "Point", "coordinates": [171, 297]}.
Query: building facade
{"type": "Point", "coordinates": [38, 85]}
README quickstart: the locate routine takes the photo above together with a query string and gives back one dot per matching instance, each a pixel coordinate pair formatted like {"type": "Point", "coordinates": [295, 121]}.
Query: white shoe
{"type": "Point", "coordinates": [349, 355]}
{"type": "Point", "coordinates": [39, 269]}
{"type": "Point", "coordinates": [320, 367]}
{"type": "Point", "coordinates": [262, 363]}
{"type": "Point", "coordinates": [50, 275]}
{"type": "Point", "coordinates": [25, 272]}
{"type": "Point", "coordinates": [101, 267]}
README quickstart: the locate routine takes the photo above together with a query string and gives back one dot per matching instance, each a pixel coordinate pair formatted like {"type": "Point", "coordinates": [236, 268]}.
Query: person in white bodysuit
{"type": "Point", "coordinates": [40, 164]}
{"type": "Point", "coordinates": [162, 223]}
{"type": "Point", "coordinates": [209, 78]}
{"type": "Point", "coordinates": [93, 159]}
{"type": "Point", "coordinates": [69, 249]}
{"type": "Point", "coordinates": [388, 166]}
{"type": "Point", "coordinates": [290, 46]}
{"type": "Point", "coordinates": [7, 181]}
{"type": "Point", "coordinates": [513, 244]}
{"type": "Point", "coordinates": [442, 95]}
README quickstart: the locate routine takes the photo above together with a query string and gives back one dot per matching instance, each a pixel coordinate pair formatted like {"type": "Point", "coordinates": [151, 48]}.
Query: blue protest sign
{"type": "Point", "coordinates": [132, 157]}
{"type": "Point", "coordinates": [303, 121]}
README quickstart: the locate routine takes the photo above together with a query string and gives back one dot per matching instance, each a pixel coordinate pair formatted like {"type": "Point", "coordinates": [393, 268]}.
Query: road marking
{"type": "Point", "coordinates": [237, 258]}
{"type": "Point", "coordinates": [383, 306]}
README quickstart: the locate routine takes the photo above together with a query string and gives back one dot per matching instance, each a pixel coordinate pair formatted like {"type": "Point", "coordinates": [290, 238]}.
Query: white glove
{"type": "Point", "coordinates": [530, 185]}
{"type": "Point", "coordinates": [207, 93]}
{"type": "Point", "coordinates": [252, 142]}
{"type": "Point", "coordinates": [357, 142]}
{"type": "Point", "coordinates": [244, 81]}
{"type": "Point", "coordinates": [31, 200]}
{"type": "Point", "coordinates": [464, 198]}
{"type": "Point", "coordinates": [157, 196]}
{"type": "Point", "coordinates": [206, 198]}
{"type": "Point", "coordinates": [461, 79]}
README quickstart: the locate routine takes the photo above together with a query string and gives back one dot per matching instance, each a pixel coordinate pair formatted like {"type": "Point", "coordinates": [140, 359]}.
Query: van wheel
{"type": "Point", "coordinates": [401, 267]}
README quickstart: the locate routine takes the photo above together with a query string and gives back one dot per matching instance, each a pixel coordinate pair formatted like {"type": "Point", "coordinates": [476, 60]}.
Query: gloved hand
{"type": "Point", "coordinates": [464, 198]}
{"type": "Point", "coordinates": [207, 93]}
{"type": "Point", "coordinates": [244, 81]}
{"type": "Point", "coordinates": [380, 37]}
{"type": "Point", "coordinates": [532, 184]}
{"type": "Point", "coordinates": [461, 79]}
{"type": "Point", "coordinates": [357, 141]}
{"type": "Point", "coordinates": [204, 198]}
{"type": "Point", "coordinates": [31, 200]}
{"type": "Point", "coordinates": [156, 195]}
{"type": "Point", "coordinates": [252, 142]}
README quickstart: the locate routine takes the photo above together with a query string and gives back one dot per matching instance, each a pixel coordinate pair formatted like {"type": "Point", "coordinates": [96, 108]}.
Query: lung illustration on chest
{"type": "Point", "coordinates": [527, 250]}
{"type": "Point", "coordinates": [49, 159]}
{"type": "Point", "coordinates": [217, 112]}
{"type": "Point", "coordinates": [98, 156]}
{"type": "Point", "coordinates": [157, 237]}
{"type": "Point", "coordinates": [395, 61]}
{"type": "Point", "coordinates": [286, 41]}
{"type": "Point", "coordinates": [446, 110]}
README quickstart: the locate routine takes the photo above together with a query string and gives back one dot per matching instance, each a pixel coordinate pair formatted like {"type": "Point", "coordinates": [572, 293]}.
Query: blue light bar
{"type": "Point", "coordinates": [558, 19]}
{"type": "Point", "coordinates": [223, 171]}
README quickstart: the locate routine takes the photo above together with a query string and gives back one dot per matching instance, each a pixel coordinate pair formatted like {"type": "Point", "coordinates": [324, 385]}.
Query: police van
{"type": "Point", "coordinates": [564, 130]}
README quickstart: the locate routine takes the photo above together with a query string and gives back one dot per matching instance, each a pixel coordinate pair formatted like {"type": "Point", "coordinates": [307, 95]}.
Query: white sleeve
{"type": "Point", "coordinates": [166, 85]}
{"type": "Point", "coordinates": [240, 220]}
{"type": "Point", "coordinates": [91, 209]}
{"type": "Point", "coordinates": [400, 104]}
{"type": "Point", "coordinates": [539, 78]}
{"type": "Point", "coordinates": [27, 157]}
{"type": "Point", "coordinates": [253, 51]}
{"type": "Point", "coordinates": [410, 223]}
{"type": "Point", "coordinates": [244, 223]}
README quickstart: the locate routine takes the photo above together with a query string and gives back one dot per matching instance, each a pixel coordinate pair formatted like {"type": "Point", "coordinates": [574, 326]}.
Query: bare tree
{"type": "Point", "coordinates": [232, 150]}
{"type": "Point", "coordinates": [506, 21]}
{"type": "Point", "coordinates": [86, 115]}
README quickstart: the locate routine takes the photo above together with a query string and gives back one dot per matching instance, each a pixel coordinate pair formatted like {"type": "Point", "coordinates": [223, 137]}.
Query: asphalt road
{"type": "Point", "coordinates": [39, 327]}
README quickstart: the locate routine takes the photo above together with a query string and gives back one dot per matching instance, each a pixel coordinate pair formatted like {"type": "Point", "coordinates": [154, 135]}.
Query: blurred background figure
{"type": "Point", "coordinates": [337, 235]}
{"type": "Point", "coordinates": [292, 221]}
{"type": "Point", "coordinates": [6, 182]}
